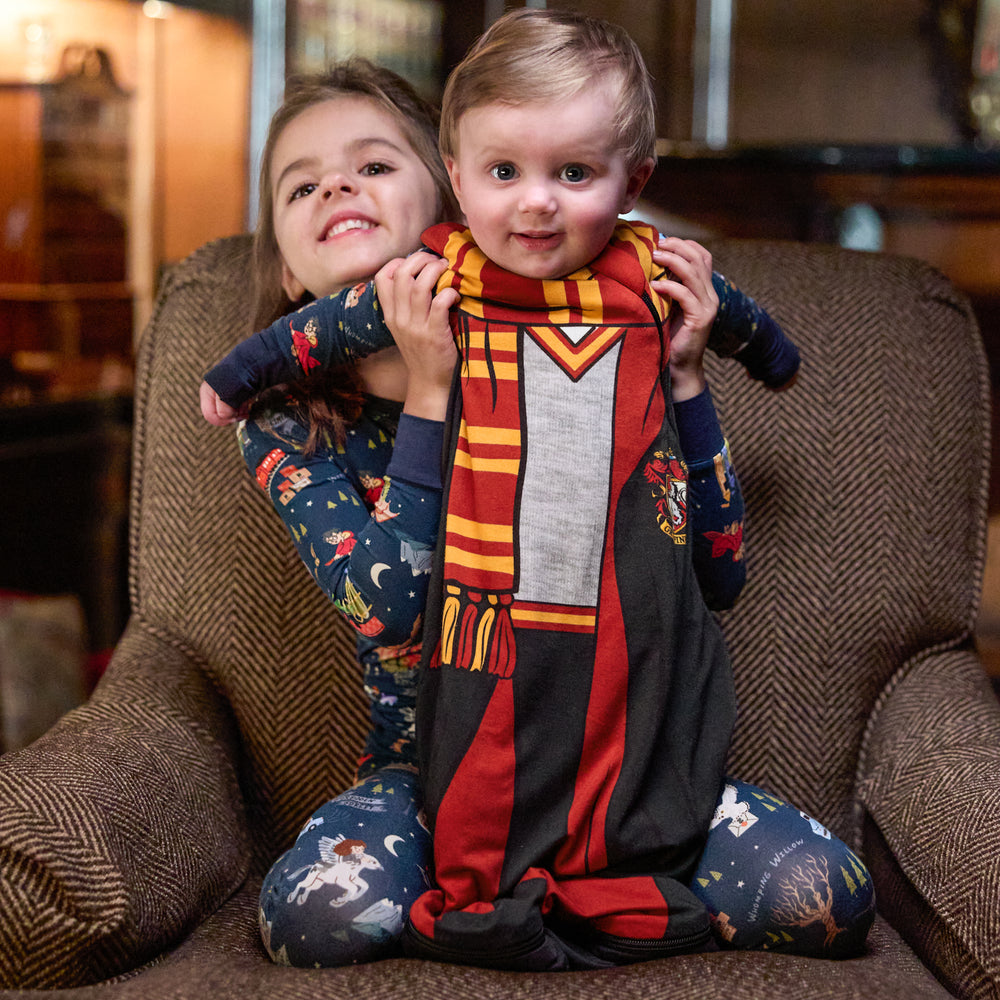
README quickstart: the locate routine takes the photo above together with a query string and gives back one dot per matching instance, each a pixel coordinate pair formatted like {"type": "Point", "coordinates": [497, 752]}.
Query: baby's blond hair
{"type": "Point", "coordinates": [533, 55]}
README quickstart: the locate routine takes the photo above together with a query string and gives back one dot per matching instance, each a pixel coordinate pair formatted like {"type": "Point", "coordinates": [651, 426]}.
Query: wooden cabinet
{"type": "Point", "coordinates": [63, 212]}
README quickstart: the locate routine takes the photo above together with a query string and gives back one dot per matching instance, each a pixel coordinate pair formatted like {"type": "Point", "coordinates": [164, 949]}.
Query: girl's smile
{"type": "Point", "coordinates": [337, 226]}
{"type": "Point", "coordinates": [350, 194]}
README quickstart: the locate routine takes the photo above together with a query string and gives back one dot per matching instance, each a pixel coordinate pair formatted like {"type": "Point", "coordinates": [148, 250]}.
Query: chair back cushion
{"type": "Point", "coordinates": [866, 489]}
{"type": "Point", "coordinates": [213, 569]}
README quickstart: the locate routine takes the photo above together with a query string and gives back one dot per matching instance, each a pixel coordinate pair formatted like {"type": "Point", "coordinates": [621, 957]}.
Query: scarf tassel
{"type": "Point", "coordinates": [467, 635]}
{"type": "Point", "coordinates": [503, 650]}
{"type": "Point", "coordinates": [479, 635]}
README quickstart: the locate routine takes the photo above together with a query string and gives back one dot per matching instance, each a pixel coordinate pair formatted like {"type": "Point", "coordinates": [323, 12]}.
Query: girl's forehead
{"type": "Point", "coordinates": [339, 122]}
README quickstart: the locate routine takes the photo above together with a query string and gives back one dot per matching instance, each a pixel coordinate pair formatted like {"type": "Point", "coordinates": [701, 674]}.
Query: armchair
{"type": "Point", "coordinates": [134, 834]}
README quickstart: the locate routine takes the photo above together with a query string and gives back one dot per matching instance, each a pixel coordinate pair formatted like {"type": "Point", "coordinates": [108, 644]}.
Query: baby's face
{"type": "Point", "coordinates": [542, 184]}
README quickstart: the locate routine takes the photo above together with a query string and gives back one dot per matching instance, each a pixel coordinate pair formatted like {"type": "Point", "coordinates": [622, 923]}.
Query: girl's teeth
{"type": "Point", "coordinates": [342, 227]}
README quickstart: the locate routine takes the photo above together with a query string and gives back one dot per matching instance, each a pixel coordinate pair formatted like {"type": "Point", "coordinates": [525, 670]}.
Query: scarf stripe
{"type": "Point", "coordinates": [560, 618]}
{"type": "Point", "coordinates": [469, 262]}
{"type": "Point", "coordinates": [576, 358]}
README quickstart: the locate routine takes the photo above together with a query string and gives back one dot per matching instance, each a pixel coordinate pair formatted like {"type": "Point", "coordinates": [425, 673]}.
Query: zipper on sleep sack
{"type": "Point", "coordinates": [429, 948]}
{"type": "Point", "coordinates": [646, 949]}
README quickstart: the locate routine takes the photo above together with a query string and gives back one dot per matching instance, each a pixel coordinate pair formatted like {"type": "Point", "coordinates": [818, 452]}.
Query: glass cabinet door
{"type": "Point", "coordinates": [403, 35]}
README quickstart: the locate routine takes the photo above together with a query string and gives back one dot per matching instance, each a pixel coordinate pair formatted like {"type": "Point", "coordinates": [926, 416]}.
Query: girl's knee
{"type": "Point", "coordinates": [341, 894]}
{"type": "Point", "coordinates": [773, 878]}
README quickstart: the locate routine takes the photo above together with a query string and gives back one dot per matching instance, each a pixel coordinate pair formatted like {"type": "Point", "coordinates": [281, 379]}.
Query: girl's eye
{"type": "Point", "coordinates": [574, 173]}
{"type": "Point", "coordinates": [375, 169]}
{"type": "Point", "coordinates": [302, 190]}
{"type": "Point", "coordinates": [504, 171]}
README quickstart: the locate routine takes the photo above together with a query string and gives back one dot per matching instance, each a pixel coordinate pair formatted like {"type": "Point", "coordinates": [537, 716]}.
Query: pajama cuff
{"type": "Point", "coordinates": [416, 454]}
{"type": "Point", "coordinates": [698, 428]}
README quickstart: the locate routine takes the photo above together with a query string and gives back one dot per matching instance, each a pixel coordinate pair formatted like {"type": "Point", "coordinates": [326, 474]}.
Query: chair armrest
{"type": "Point", "coordinates": [122, 827]}
{"type": "Point", "coordinates": [929, 785]}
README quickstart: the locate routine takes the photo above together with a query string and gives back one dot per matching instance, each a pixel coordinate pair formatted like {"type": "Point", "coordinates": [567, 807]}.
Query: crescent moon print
{"type": "Point", "coordinates": [376, 571]}
{"type": "Point", "coordinates": [390, 843]}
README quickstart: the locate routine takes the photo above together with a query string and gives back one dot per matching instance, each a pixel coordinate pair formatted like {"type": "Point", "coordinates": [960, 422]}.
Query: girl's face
{"type": "Point", "coordinates": [349, 195]}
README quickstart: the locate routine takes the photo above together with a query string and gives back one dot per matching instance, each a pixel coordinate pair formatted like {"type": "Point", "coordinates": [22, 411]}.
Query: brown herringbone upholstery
{"type": "Point", "coordinates": [136, 831]}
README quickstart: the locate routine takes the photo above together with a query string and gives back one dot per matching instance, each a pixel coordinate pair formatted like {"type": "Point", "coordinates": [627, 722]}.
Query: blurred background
{"type": "Point", "coordinates": [130, 135]}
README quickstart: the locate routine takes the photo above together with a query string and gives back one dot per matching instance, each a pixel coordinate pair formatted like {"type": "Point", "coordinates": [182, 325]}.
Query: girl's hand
{"type": "Point", "coordinates": [214, 410]}
{"type": "Point", "coordinates": [418, 319]}
{"type": "Point", "coordinates": [690, 286]}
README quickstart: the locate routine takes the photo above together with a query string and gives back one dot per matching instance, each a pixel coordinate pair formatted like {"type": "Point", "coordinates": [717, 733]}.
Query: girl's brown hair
{"type": "Point", "coordinates": [333, 399]}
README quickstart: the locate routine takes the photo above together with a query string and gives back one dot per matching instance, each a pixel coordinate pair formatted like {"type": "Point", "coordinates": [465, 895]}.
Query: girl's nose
{"type": "Point", "coordinates": [337, 183]}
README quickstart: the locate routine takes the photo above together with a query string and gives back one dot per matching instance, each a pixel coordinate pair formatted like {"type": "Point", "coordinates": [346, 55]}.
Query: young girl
{"type": "Point", "coordinates": [351, 460]}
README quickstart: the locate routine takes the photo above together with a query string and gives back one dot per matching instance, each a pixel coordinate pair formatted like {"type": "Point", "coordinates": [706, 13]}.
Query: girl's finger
{"type": "Point", "coordinates": [444, 300]}
{"type": "Point", "coordinates": [422, 262]}
{"type": "Point", "coordinates": [427, 278]}
{"type": "Point", "coordinates": [391, 267]}
{"type": "Point", "coordinates": [696, 258]}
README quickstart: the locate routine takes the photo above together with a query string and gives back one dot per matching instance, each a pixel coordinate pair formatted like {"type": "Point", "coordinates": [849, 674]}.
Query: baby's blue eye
{"type": "Point", "coordinates": [574, 173]}
{"type": "Point", "coordinates": [504, 171]}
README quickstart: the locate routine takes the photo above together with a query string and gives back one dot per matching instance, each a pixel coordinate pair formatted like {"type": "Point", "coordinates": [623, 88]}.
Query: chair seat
{"type": "Point", "coordinates": [224, 959]}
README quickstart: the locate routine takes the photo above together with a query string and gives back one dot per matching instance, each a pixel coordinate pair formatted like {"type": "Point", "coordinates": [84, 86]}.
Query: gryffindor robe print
{"type": "Point", "coordinates": [576, 700]}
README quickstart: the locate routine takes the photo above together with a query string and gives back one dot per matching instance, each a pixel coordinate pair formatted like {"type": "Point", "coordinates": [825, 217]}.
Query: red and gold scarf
{"type": "Point", "coordinates": [497, 309]}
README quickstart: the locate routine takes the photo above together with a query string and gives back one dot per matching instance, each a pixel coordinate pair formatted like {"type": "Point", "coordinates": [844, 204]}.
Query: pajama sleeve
{"type": "Point", "coordinates": [336, 329]}
{"type": "Point", "coordinates": [715, 502]}
{"type": "Point", "coordinates": [363, 518]}
{"type": "Point", "coordinates": [748, 333]}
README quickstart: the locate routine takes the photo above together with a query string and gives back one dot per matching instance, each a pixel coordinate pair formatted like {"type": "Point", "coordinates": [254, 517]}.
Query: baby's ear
{"type": "Point", "coordinates": [293, 288]}
{"type": "Point", "coordinates": [637, 179]}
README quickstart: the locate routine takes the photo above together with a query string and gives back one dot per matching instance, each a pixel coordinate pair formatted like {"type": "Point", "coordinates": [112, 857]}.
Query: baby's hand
{"type": "Point", "coordinates": [690, 286]}
{"type": "Point", "coordinates": [214, 410]}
